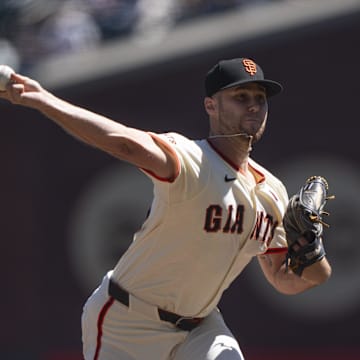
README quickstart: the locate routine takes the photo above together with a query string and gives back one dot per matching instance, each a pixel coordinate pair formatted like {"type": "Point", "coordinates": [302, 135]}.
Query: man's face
{"type": "Point", "coordinates": [240, 109]}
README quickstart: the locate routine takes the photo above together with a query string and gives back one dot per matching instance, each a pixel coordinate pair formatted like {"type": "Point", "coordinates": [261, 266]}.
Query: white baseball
{"type": "Point", "coordinates": [5, 75]}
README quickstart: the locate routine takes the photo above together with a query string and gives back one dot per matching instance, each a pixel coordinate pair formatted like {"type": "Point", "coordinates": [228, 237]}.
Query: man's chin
{"type": "Point", "coordinates": [257, 136]}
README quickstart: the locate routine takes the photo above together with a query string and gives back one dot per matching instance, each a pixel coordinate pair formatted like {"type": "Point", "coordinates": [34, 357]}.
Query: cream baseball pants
{"type": "Point", "coordinates": [113, 331]}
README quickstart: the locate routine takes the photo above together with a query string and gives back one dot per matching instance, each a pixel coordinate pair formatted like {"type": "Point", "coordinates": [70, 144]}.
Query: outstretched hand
{"type": "Point", "coordinates": [22, 90]}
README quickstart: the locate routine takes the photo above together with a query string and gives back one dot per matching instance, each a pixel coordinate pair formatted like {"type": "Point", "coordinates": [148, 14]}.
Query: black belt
{"type": "Point", "coordinates": [183, 323]}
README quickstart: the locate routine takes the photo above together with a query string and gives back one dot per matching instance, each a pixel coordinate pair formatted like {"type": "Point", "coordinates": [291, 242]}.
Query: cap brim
{"type": "Point", "coordinates": [272, 87]}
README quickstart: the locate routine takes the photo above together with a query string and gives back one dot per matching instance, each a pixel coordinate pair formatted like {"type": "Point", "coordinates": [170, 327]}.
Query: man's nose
{"type": "Point", "coordinates": [254, 106]}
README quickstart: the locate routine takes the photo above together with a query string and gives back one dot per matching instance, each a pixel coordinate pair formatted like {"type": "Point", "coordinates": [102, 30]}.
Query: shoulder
{"type": "Point", "coordinates": [189, 153]}
{"type": "Point", "coordinates": [194, 169]}
{"type": "Point", "coordinates": [183, 145]}
{"type": "Point", "coordinates": [175, 139]}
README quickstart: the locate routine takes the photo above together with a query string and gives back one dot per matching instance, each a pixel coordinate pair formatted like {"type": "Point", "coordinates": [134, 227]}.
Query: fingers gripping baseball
{"type": "Point", "coordinates": [18, 89]}
{"type": "Point", "coordinates": [303, 224]}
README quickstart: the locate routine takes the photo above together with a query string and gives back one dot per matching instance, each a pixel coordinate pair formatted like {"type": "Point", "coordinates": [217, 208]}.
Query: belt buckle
{"type": "Point", "coordinates": [182, 324]}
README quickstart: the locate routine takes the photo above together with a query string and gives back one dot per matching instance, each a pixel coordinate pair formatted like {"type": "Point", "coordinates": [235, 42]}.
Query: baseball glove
{"type": "Point", "coordinates": [303, 224]}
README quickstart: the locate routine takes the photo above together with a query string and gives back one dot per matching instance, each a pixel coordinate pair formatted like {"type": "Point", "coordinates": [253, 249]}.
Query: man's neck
{"type": "Point", "coordinates": [237, 149]}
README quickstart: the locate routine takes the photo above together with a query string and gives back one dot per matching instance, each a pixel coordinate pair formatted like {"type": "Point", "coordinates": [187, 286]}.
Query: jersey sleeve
{"type": "Point", "coordinates": [166, 143]}
{"type": "Point", "coordinates": [192, 169]}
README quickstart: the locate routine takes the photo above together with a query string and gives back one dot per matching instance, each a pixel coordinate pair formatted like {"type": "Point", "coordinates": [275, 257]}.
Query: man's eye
{"type": "Point", "coordinates": [261, 99]}
{"type": "Point", "coordinates": [241, 97]}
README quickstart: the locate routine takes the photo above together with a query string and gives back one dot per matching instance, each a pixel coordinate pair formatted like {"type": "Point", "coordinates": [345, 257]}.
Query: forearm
{"type": "Point", "coordinates": [126, 143]}
{"type": "Point", "coordinates": [89, 127]}
{"type": "Point", "coordinates": [318, 272]}
{"type": "Point", "coordinates": [289, 283]}
{"type": "Point", "coordinates": [92, 128]}
{"type": "Point", "coordinates": [286, 282]}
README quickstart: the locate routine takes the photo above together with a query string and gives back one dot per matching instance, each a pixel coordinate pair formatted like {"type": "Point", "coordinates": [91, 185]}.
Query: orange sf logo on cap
{"type": "Point", "coordinates": [249, 66]}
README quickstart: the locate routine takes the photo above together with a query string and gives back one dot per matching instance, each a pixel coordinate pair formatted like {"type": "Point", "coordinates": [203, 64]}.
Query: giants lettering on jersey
{"type": "Point", "coordinates": [231, 221]}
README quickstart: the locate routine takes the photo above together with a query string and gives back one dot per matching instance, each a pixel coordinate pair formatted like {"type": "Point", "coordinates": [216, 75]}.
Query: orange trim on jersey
{"type": "Point", "coordinates": [259, 177]}
{"type": "Point", "coordinates": [167, 147]}
{"type": "Point", "coordinates": [276, 250]}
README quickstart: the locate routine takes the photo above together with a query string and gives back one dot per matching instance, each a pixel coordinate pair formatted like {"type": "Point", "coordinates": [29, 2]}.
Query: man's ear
{"type": "Point", "coordinates": [209, 104]}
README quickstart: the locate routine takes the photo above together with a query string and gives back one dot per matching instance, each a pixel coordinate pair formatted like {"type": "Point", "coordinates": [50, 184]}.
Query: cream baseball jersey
{"type": "Point", "coordinates": [203, 229]}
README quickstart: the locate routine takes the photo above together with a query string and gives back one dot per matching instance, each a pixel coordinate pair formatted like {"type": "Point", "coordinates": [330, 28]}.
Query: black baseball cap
{"type": "Point", "coordinates": [234, 72]}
